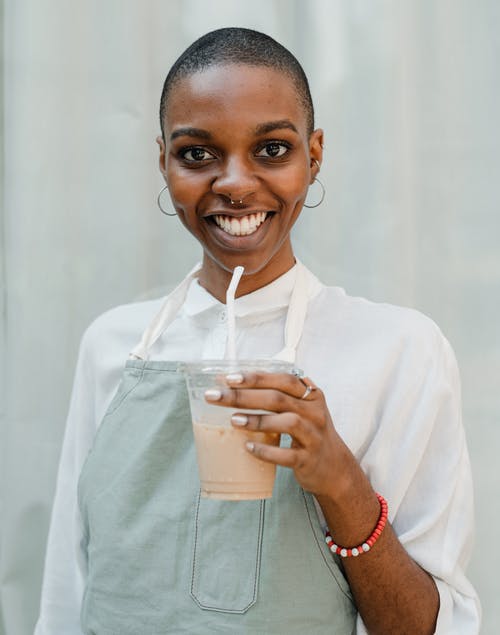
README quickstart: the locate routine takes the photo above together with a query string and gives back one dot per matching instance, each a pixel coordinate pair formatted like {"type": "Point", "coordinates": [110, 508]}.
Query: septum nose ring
{"type": "Point", "coordinates": [234, 202]}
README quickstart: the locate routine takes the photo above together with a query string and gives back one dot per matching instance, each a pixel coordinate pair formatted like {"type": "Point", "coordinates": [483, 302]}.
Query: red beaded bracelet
{"type": "Point", "coordinates": [346, 552]}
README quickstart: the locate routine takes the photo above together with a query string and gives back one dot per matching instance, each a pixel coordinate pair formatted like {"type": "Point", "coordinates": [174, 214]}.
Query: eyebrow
{"type": "Point", "coordinates": [269, 126]}
{"type": "Point", "coordinates": [190, 132]}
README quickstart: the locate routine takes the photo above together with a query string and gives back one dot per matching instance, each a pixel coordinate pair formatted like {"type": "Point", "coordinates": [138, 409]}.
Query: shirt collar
{"type": "Point", "coordinates": [275, 295]}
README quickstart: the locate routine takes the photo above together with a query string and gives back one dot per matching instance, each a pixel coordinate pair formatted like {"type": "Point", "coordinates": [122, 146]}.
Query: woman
{"type": "Point", "coordinates": [139, 552]}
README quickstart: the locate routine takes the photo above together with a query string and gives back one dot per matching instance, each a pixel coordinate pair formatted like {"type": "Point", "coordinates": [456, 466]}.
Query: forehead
{"type": "Point", "coordinates": [238, 95]}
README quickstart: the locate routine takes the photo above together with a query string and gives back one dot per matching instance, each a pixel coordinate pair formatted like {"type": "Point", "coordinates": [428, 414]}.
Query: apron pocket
{"type": "Point", "coordinates": [226, 554]}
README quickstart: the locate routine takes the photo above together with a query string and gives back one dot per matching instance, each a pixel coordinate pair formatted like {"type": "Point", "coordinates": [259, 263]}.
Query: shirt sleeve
{"type": "Point", "coordinates": [419, 461]}
{"type": "Point", "coordinates": [65, 564]}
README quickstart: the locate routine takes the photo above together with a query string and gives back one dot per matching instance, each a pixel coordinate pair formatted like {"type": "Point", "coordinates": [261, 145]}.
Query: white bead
{"type": "Point", "coordinates": [366, 547]}
{"type": "Point", "coordinates": [343, 553]}
{"type": "Point", "coordinates": [355, 552]}
{"type": "Point", "coordinates": [334, 548]}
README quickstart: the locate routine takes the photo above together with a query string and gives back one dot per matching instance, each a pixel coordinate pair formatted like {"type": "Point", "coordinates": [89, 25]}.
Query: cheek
{"type": "Point", "coordinates": [291, 185]}
{"type": "Point", "coordinates": [184, 190]}
{"type": "Point", "coordinates": [185, 186]}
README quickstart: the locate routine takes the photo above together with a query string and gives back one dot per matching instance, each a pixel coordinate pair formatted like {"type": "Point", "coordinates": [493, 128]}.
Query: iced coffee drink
{"type": "Point", "coordinates": [227, 470]}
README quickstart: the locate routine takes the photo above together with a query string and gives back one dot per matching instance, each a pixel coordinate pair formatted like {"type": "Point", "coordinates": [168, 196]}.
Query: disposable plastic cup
{"type": "Point", "coordinates": [227, 470]}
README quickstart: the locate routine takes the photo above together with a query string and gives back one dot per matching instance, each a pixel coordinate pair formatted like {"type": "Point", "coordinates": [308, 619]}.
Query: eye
{"type": "Point", "coordinates": [195, 154]}
{"type": "Point", "coordinates": [273, 150]}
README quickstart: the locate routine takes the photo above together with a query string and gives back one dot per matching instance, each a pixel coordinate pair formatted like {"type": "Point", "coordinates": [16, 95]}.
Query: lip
{"type": "Point", "coordinates": [248, 241]}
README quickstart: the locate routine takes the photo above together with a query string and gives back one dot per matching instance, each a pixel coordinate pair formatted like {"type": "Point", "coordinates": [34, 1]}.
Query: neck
{"type": "Point", "coordinates": [216, 279]}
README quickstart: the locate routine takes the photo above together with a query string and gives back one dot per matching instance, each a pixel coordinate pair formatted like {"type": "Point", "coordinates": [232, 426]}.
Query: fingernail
{"type": "Point", "coordinates": [213, 394]}
{"type": "Point", "coordinates": [239, 420]}
{"type": "Point", "coordinates": [250, 446]}
{"type": "Point", "coordinates": [234, 378]}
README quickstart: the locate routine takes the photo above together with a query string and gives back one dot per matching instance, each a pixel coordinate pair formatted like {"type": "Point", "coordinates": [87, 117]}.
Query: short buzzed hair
{"type": "Point", "coordinates": [235, 45]}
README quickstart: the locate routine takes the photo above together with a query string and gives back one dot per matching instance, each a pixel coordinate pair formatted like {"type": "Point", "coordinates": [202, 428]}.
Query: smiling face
{"type": "Point", "coordinates": [239, 133]}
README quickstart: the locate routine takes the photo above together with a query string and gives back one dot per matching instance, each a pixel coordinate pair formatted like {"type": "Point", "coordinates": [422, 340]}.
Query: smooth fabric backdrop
{"type": "Point", "coordinates": [408, 94]}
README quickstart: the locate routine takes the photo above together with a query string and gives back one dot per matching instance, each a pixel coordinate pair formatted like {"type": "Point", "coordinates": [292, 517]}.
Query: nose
{"type": "Point", "coordinates": [236, 180]}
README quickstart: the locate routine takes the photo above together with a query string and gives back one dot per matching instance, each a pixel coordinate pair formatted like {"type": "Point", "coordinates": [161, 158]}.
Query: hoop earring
{"type": "Point", "coordinates": [158, 200]}
{"type": "Point", "coordinates": [323, 192]}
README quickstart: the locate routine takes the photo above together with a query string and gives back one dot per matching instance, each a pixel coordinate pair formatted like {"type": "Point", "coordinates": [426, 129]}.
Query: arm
{"type": "Point", "coordinates": [65, 564]}
{"type": "Point", "coordinates": [392, 593]}
{"type": "Point", "coordinates": [103, 351]}
{"type": "Point", "coordinates": [418, 444]}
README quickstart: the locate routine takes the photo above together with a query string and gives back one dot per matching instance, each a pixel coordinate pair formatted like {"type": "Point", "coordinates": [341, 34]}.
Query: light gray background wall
{"type": "Point", "coordinates": [408, 94]}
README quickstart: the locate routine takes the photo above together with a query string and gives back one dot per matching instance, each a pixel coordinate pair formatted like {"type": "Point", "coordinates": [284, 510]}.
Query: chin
{"type": "Point", "coordinates": [269, 266]}
{"type": "Point", "coordinates": [252, 264]}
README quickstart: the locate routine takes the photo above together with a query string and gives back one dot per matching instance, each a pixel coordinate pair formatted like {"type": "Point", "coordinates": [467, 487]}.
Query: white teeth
{"type": "Point", "coordinates": [243, 226]}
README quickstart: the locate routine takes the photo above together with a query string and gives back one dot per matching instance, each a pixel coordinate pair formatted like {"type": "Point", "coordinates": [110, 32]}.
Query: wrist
{"type": "Point", "coordinates": [367, 544]}
{"type": "Point", "coordinates": [346, 483]}
{"type": "Point", "coordinates": [350, 505]}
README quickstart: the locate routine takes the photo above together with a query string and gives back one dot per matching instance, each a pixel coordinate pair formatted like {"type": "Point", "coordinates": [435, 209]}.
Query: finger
{"type": "Point", "coordinates": [286, 423]}
{"type": "Point", "coordinates": [287, 457]}
{"type": "Point", "coordinates": [260, 399]}
{"type": "Point", "coordinates": [284, 382]}
{"type": "Point", "coordinates": [310, 389]}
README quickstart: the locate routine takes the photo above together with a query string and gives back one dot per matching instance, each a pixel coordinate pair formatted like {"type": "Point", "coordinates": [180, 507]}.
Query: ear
{"type": "Point", "coordinates": [162, 157]}
{"type": "Point", "coordinates": [316, 152]}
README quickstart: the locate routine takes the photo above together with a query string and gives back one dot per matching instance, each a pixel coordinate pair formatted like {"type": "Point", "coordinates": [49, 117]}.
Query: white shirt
{"type": "Point", "coordinates": [391, 383]}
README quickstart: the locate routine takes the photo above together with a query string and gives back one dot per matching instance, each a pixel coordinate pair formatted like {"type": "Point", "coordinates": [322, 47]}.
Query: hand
{"type": "Point", "coordinates": [316, 450]}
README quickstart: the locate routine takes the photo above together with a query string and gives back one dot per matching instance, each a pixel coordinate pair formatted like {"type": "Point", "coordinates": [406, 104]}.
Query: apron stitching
{"type": "Point", "coordinates": [321, 550]}
{"type": "Point", "coordinates": [259, 551]}
{"type": "Point", "coordinates": [110, 410]}
{"type": "Point", "coordinates": [195, 544]}
{"type": "Point", "coordinates": [257, 564]}
{"type": "Point", "coordinates": [79, 495]}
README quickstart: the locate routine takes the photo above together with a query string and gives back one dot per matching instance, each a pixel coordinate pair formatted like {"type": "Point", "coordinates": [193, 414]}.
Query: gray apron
{"type": "Point", "coordinates": [161, 559]}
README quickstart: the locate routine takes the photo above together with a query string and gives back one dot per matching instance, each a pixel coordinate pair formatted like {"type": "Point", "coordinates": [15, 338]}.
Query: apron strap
{"type": "Point", "coordinates": [296, 315]}
{"type": "Point", "coordinates": [165, 315]}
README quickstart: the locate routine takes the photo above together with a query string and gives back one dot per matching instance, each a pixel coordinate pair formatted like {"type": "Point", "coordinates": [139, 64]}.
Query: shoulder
{"type": "Point", "coordinates": [365, 323]}
{"type": "Point", "coordinates": [120, 328]}
{"type": "Point", "coordinates": [104, 350]}
{"type": "Point", "coordinates": [379, 343]}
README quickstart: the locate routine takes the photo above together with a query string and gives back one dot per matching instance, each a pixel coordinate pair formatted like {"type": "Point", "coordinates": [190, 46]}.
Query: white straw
{"type": "Point", "coordinates": [230, 293]}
